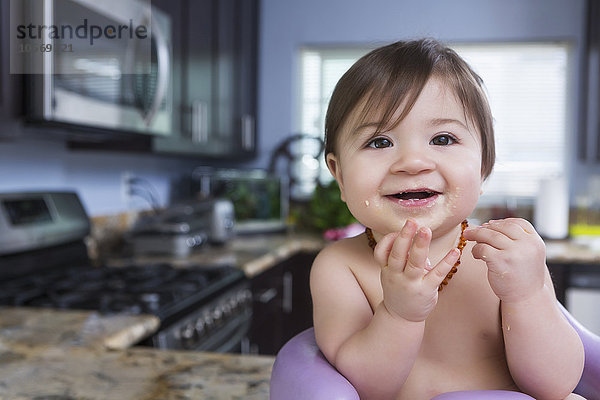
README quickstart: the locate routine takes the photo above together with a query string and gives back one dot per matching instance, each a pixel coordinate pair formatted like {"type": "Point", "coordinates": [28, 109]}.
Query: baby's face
{"type": "Point", "coordinates": [427, 168]}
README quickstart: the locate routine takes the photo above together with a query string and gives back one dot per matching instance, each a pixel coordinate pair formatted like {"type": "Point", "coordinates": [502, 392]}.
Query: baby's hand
{"type": "Point", "coordinates": [410, 283]}
{"type": "Point", "coordinates": [515, 256]}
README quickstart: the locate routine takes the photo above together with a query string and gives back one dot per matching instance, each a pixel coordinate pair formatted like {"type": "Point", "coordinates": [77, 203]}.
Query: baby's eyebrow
{"type": "Point", "coordinates": [444, 121]}
{"type": "Point", "coordinates": [364, 126]}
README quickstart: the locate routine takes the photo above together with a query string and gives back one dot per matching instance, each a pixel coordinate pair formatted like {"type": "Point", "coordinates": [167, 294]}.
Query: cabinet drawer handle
{"type": "Point", "coordinates": [288, 281]}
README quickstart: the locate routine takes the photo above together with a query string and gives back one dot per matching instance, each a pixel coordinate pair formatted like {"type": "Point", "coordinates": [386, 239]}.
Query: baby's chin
{"type": "Point", "coordinates": [438, 226]}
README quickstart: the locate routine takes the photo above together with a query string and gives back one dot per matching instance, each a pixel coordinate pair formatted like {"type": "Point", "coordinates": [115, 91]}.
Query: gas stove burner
{"type": "Point", "coordinates": [120, 303]}
{"type": "Point", "coordinates": [154, 288]}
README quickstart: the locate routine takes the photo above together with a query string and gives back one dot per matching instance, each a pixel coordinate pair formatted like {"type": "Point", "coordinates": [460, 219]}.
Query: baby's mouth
{"type": "Point", "coordinates": [415, 194]}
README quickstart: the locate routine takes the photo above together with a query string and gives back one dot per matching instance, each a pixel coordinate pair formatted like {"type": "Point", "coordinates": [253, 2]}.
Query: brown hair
{"type": "Point", "coordinates": [381, 80]}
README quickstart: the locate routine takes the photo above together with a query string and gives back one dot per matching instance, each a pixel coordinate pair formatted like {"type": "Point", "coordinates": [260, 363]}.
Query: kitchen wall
{"type": "Point", "coordinates": [32, 164]}
{"type": "Point", "coordinates": [286, 25]}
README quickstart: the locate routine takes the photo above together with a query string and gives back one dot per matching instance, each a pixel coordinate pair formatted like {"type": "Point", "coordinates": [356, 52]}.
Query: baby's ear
{"type": "Point", "coordinates": [335, 168]}
{"type": "Point", "coordinates": [332, 164]}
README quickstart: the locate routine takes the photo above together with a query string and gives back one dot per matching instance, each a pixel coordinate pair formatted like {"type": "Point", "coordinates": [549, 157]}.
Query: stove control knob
{"type": "Point", "coordinates": [244, 296]}
{"type": "Point", "coordinates": [208, 321]}
{"type": "Point", "coordinates": [200, 327]}
{"type": "Point", "coordinates": [232, 303]}
{"type": "Point", "coordinates": [225, 309]}
{"type": "Point", "coordinates": [217, 315]}
{"type": "Point", "coordinates": [188, 335]}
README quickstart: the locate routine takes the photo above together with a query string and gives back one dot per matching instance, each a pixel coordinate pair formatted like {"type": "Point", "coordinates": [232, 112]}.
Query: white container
{"type": "Point", "coordinates": [551, 214]}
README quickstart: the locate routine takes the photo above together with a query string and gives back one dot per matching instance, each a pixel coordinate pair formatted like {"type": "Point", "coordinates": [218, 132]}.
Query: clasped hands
{"type": "Point", "coordinates": [511, 249]}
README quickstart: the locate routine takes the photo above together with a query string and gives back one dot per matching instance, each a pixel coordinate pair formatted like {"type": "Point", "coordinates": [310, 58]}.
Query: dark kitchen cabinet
{"type": "Point", "coordinates": [589, 113]}
{"type": "Point", "coordinates": [567, 276]}
{"type": "Point", "coordinates": [3, 57]}
{"type": "Point", "coordinates": [11, 85]}
{"type": "Point", "coordinates": [282, 305]}
{"type": "Point", "coordinates": [216, 105]}
{"type": "Point", "coordinates": [560, 279]}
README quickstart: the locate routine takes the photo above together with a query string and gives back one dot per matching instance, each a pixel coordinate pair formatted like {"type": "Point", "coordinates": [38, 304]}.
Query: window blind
{"type": "Point", "coordinates": [527, 89]}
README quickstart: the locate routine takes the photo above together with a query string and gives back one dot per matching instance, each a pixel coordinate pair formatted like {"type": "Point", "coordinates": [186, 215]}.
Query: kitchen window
{"type": "Point", "coordinates": [528, 91]}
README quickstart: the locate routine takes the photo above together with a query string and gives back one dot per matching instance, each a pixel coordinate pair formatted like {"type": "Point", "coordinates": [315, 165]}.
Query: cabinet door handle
{"type": "Point", "coordinates": [199, 122]}
{"type": "Point", "coordinates": [248, 132]}
{"type": "Point", "coordinates": [288, 281]}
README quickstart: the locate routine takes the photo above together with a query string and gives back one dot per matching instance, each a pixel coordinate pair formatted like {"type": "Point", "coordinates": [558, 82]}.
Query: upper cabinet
{"type": "Point", "coordinates": [213, 79]}
{"type": "Point", "coordinates": [215, 58]}
{"type": "Point", "coordinates": [10, 84]}
{"type": "Point", "coordinates": [589, 140]}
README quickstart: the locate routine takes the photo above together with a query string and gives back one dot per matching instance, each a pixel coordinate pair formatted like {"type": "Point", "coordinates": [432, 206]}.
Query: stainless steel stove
{"type": "Point", "coordinates": [44, 263]}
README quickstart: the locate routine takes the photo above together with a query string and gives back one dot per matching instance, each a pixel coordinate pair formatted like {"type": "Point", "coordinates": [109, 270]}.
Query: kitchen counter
{"type": "Point", "coordinates": [253, 254]}
{"type": "Point", "coordinates": [572, 252]}
{"type": "Point", "coordinates": [59, 354]}
{"type": "Point", "coordinates": [36, 327]}
{"type": "Point", "coordinates": [65, 355]}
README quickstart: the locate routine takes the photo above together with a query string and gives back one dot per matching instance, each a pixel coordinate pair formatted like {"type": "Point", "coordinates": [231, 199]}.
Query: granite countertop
{"type": "Point", "coordinates": [60, 354]}
{"type": "Point", "coordinates": [51, 354]}
{"type": "Point", "coordinates": [24, 327]}
{"type": "Point", "coordinates": [253, 254]}
{"type": "Point", "coordinates": [573, 251]}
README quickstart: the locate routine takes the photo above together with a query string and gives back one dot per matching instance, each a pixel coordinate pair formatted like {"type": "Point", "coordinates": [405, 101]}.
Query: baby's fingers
{"type": "Point", "coordinates": [392, 249]}
{"type": "Point", "coordinates": [384, 247]}
{"type": "Point", "coordinates": [417, 265]}
{"type": "Point", "coordinates": [486, 234]}
{"type": "Point", "coordinates": [439, 272]}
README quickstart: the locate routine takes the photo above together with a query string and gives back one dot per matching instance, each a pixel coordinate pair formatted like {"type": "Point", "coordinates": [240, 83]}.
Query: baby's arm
{"type": "Point", "coordinates": [376, 351]}
{"type": "Point", "coordinates": [544, 353]}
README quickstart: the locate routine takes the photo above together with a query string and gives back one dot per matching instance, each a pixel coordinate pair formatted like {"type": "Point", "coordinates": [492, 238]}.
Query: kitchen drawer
{"type": "Point", "coordinates": [282, 303]}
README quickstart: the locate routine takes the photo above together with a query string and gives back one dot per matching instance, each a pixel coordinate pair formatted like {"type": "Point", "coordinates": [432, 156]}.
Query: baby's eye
{"type": "Point", "coordinates": [379, 143]}
{"type": "Point", "coordinates": [444, 139]}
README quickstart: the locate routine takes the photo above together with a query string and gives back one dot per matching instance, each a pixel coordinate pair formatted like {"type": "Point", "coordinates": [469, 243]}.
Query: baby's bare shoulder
{"type": "Point", "coordinates": [346, 269]}
{"type": "Point", "coordinates": [343, 262]}
{"type": "Point", "coordinates": [343, 253]}
{"type": "Point", "coordinates": [340, 306]}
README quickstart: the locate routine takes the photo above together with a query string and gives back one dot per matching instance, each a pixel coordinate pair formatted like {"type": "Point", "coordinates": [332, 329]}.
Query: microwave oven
{"type": "Point", "coordinates": [102, 65]}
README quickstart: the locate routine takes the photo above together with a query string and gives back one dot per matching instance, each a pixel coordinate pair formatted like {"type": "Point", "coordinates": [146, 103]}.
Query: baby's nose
{"type": "Point", "coordinates": [412, 162]}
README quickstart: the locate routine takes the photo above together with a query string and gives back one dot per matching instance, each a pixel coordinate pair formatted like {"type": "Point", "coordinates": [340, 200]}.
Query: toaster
{"type": "Point", "coordinates": [182, 228]}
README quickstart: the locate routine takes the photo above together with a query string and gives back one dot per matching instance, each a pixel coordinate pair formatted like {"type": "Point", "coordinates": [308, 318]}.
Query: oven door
{"type": "Point", "coordinates": [106, 65]}
{"type": "Point", "coordinates": [221, 325]}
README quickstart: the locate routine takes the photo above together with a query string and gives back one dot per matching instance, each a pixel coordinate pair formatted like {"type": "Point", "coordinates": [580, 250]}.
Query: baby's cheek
{"type": "Point", "coordinates": [463, 199]}
{"type": "Point", "coordinates": [365, 207]}
{"type": "Point", "coordinates": [454, 198]}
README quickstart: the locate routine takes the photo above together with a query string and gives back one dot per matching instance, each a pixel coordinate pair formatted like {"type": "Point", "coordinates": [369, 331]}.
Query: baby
{"type": "Point", "coordinates": [422, 304]}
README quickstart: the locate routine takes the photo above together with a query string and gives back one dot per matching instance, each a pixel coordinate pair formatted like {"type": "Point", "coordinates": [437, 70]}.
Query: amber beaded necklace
{"type": "Point", "coordinates": [461, 245]}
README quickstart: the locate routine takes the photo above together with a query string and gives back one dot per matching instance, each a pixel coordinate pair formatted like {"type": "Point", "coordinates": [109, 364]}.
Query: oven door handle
{"type": "Point", "coordinates": [267, 295]}
{"type": "Point", "coordinates": [164, 68]}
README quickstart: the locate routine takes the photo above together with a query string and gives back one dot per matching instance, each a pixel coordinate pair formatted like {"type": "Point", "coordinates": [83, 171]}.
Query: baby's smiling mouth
{"type": "Point", "coordinates": [419, 194]}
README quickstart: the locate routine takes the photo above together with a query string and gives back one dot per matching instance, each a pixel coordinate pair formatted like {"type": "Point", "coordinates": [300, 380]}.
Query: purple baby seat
{"type": "Point", "coordinates": [301, 372]}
